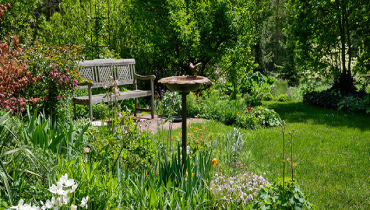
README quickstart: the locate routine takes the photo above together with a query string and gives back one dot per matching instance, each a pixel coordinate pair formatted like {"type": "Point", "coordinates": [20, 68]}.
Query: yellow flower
{"type": "Point", "coordinates": [214, 161]}
{"type": "Point", "coordinates": [192, 174]}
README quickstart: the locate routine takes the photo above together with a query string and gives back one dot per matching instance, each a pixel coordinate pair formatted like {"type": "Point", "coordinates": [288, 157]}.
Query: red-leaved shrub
{"type": "Point", "coordinates": [13, 76]}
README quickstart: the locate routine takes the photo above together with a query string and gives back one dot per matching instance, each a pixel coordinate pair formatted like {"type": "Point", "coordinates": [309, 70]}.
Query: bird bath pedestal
{"type": "Point", "coordinates": [183, 85]}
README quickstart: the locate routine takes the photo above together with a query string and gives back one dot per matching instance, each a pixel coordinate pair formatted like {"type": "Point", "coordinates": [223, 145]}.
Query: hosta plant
{"type": "Point", "coordinates": [252, 118]}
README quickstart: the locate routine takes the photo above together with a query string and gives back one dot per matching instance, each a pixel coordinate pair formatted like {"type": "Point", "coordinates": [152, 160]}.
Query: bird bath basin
{"type": "Point", "coordinates": [183, 85]}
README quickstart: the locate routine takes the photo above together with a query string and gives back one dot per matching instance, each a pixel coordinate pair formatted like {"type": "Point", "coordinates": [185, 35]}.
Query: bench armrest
{"type": "Point", "coordinates": [141, 77]}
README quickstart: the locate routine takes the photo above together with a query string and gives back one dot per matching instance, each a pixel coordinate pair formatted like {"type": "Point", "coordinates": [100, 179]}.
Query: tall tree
{"type": "Point", "coordinates": [173, 33]}
{"type": "Point", "coordinates": [326, 33]}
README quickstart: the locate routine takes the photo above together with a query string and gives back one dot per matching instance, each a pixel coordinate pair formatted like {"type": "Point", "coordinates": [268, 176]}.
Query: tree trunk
{"type": "Point", "coordinates": [345, 82]}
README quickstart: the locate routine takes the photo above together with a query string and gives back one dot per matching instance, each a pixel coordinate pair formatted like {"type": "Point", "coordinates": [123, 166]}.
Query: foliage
{"type": "Point", "coordinates": [337, 100]}
{"type": "Point", "coordinates": [189, 31]}
{"type": "Point", "coordinates": [326, 99]}
{"type": "Point", "coordinates": [103, 187]}
{"type": "Point", "coordinates": [252, 118]}
{"type": "Point", "coordinates": [282, 97]}
{"type": "Point", "coordinates": [14, 77]}
{"type": "Point", "coordinates": [61, 138]}
{"type": "Point", "coordinates": [130, 144]}
{"type": "Point", "coordinates": [268, 97]}
{"type": "Point", "coordinates": [16, 164]}
{"type": "Point", "coordinates": [325, 42]}
{"type": "Point", "coordinates": [236, 191]}
{"type": "Point", "coordinates": [57, 68]}
{"type": "Point", "coordinates": [170, 105]}
{"type": "Point", "coordinates": [275, 196]}
{"type": "Point", "coordinates": [234, 145]}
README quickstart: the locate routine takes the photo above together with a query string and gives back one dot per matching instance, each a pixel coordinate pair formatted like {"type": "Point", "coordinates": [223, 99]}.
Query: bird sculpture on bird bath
{"type": "Point", "coordinates": [183, 85]}
{"type": "Point", "coordinates": [193, 67]}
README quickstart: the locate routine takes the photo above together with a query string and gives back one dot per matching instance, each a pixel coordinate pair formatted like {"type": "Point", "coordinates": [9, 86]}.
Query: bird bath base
{"type": "Point", "coordinates": [183, 85]}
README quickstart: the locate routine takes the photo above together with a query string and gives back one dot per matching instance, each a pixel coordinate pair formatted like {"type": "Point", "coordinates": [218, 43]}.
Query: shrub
{"type": "Point", "coordinates": [170, 103]}
{"type": "Point", "coordinates": [57, 69]}
{"type": "Point", "coordinates": [268, 97]}
{"type": "Point", "coordinates": [14, 77]}
{"type": "Point", "coordinates": [253, 118]}
{"type": "Point", "coordinates": [333, 99]}
{"type": "Point", "coordinates": [282, 97]}
{"type": "Point", "coordinates": [355, 103]}
{"type": "Point", "coordinates": [325, 99]}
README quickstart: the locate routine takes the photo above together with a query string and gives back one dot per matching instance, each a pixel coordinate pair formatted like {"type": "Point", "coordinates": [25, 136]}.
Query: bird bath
{"type": "Point", "coordinates": [183, 85]}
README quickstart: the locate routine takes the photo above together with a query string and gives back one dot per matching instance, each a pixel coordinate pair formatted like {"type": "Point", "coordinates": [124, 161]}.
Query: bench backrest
{"type": "Point", "coordinates": [99, 71]}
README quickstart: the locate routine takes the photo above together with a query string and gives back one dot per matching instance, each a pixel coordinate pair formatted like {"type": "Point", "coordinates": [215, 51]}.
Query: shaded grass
{"type": "Point", "coordinates": [331, 148]}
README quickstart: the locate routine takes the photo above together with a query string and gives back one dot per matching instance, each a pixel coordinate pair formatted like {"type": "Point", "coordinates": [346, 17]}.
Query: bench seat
{"type": "Point", "coordinates": [102, 98]}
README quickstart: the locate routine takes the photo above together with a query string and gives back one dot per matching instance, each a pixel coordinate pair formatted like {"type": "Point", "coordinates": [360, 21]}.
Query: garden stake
{"type": "Point", "coordinates": [283, 156]}
{"type": "Point", "coordinates": [291, 150]}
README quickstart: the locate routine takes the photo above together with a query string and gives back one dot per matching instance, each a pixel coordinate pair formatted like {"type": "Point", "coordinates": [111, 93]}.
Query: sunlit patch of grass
{"type": "Point", "coordinates": [331, 148]}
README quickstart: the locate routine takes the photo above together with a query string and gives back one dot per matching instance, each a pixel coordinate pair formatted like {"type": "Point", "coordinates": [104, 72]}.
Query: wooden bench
{"type": "Point", "coordinates": [99, 72]}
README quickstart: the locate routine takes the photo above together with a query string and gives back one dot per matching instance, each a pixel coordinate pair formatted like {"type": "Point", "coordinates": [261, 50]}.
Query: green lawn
{"type": "Point", "coordinates": [331, 148]}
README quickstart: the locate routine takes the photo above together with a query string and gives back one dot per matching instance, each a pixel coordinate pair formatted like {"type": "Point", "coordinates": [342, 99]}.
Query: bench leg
{"type": "Point", "coordinates": [135, 112]}
{"type": "Point", "coordinates": [90, 111]}
{"type": "Point", "coordinates": [152, 106]}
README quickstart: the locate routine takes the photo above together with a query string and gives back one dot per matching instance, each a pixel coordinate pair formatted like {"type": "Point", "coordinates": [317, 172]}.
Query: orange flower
{"type": "Point", "coordinates": [214, 161]}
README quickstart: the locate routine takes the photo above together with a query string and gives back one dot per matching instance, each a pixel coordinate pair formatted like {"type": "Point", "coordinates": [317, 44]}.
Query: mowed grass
{"type": "Point", "coordinates": [331, 148]}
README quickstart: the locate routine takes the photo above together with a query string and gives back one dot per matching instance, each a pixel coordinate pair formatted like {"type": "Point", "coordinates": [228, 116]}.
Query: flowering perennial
{"type": "Point", "coordinates": [61, 190]}
{"type": "Point", "coordinates": [236, 189]}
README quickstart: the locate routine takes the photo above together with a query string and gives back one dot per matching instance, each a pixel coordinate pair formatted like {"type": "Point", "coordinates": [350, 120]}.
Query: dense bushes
{"type": "Point", "coordinates": [332, 99]}
{"type": "Point", "coordinates": [212, 105]}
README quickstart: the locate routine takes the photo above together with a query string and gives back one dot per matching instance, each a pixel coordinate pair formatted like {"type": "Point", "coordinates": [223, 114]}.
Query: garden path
{"type": "Point", "coordinates": [157, 122]}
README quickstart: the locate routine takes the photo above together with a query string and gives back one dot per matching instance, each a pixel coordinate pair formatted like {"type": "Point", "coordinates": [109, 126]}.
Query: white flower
{"type": "Point", "coordinates": [69, 182]}
{"type": "Point", "coordinates": [84, 201]}
{"type": "Point", "coordinates": [53, 189]}
{"type": "Point", "coordinates": [65, 199]}
{"type": "Point", "coordinates": [73, 207]}
{"type": "Point", "coordinates": [60, 190]}
{"type": "Point", "coordinates": [63, 179]}
{"type": "Point", "coordinates": [19, 206]}
{"type": "Point", "coordinates": [74, 187]}
{"type": "Point", "coordinates": [59, 202]}
{"type": "Point", "coordinates": [47, 205]}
